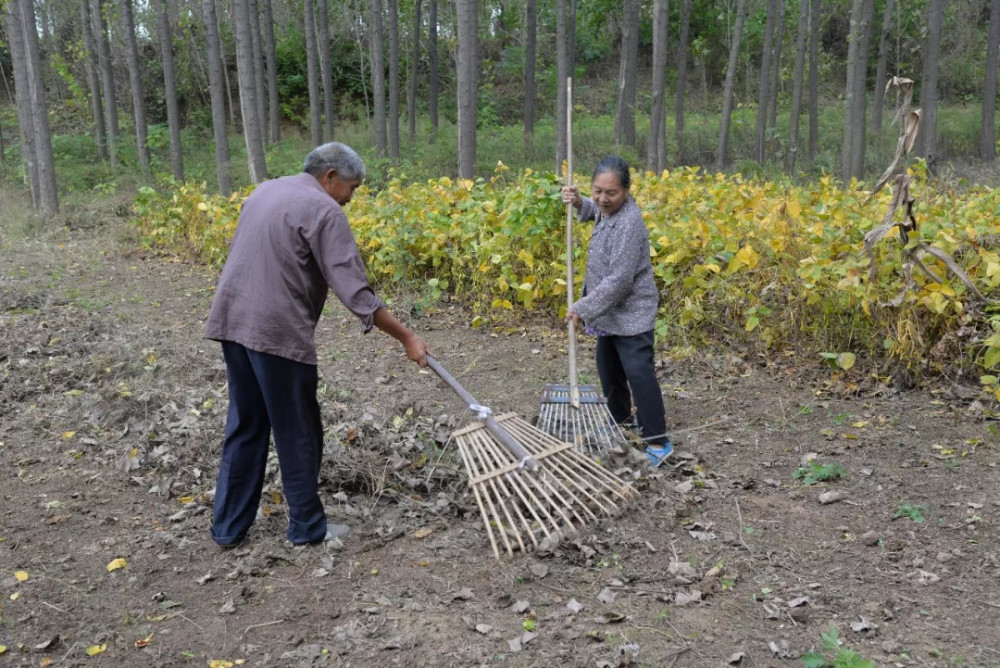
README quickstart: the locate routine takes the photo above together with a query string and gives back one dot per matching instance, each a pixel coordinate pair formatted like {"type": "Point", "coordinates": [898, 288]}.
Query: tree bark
{"type": "Point", "coordinates": [271, 61]}
{"type": "Point", "coordinates": [929, 83]}
{"type": "Point", "coordinates": [248, 91]}
{"type": "Point", "coordinates": [378, 78]}
{"type": "Point", "coordinates": [987, 135]}
{"type": "Point", "coordinates": [170, 92]}
{"type": "Point", "coordinates": [312, 73]}
{"type": "Point", "coordinates": [859, 99]}
{"type": "Point", "coordinates": [763, 90]}
{"type": "Point", "coordinates": [411, 93]}
{"type": "Point", "coordinates": [880, 70]}
{"type": "Point", "coordinates": [814, 24]}
{"type": "Point", "coordinates": [468, 23]}
{"type": "Point", "coordinates": [135, 84]}
{"type": "Point", "coordinates": [48, 200]}
{"type": "Point", "coordinates": [25, 115]}
{"type": "Point", "coordinates": [722, 154]}
{"type": "Point", "coordinates": [562, 73]}
{"type": "Point", "coordinates": [530, 44]}
{"type": "Point", "coordinates": [91, 64]}
{"type": "Point", "coordinates": [432, 57]}
{"type": "Point", "coordinates": [393, 11]}
{"type": "Point", "coordinates": [796, 110]}
{"type": "Point", "coordinates": [772, 118]}
{"type": "Point", "coordinates": [655, 160]}
{"type": "Point", "coordinates": [326, 71]}
{"type": "Point", "coordinates": [682, 57]}
{"type": "Point", "coordinates": [216, 83]}
{"type": "Point", "coordinates": [625, 110]}
{"type": "Point", "coordinates": [107, 83]}
{"type": "Point", "coordinates": [258, 67]}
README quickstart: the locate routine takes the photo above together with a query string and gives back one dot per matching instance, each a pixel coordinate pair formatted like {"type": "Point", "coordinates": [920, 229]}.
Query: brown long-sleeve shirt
{"type": "Point", "coordinates": [292, 243]}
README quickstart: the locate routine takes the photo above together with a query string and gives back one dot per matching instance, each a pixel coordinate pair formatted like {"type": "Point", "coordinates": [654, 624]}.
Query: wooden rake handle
{"type": "Point", "coordinates": [486, 415]}
{"type": "Point", "coordinates": [574, 389]}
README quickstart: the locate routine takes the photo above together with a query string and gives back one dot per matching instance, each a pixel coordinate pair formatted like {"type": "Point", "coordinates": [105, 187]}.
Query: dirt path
{"type": "Point", "coordinates": [111, 416]}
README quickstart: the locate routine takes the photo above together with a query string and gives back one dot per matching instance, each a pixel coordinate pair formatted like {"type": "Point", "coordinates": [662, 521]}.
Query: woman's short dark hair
{"type": "Point", "coordinates": [615, 165]}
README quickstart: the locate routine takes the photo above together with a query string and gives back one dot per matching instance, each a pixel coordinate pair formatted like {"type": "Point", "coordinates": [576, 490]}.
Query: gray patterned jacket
{"type": "Point", "coordinates": [620, 295]}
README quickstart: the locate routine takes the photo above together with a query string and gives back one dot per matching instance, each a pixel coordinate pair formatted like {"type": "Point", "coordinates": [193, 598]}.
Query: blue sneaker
{"type": "Point", "coordinates": [659, 453]}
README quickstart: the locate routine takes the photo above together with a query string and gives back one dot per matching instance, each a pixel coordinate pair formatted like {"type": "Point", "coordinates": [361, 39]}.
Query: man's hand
{"type": "Point", "coordinates": [417, 349]}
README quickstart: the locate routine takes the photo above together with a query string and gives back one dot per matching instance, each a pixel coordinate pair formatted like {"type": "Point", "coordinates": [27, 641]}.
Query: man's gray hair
{"type": "Point", "coordinates": [335, 155]}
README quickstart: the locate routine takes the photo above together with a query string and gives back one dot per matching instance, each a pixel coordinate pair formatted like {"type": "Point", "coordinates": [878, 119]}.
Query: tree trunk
{"type": "Point", "coordinates": [859, 100]}
{"type": "Point", "coordinates": [48, 201]}
{"type": "Point", "coordinates": [135, 83]}
{"type": "Point", "coordinates": [682, 55]}
{"type": "Point", "coordinates": [722, 154]}
{"type": "Point", "coordinates": [880, 71]}
{"type": "Point", "coordinates": [248, 91]}
{"type": "Point", "coordinates": [562, 73]}
{"type": "Point", "coordinates": [271, 60]}
{"type": "Point", "coordinates": [393, 11]}
{"type": "Point", "coordinates": [378, 78]}
{"type": "Point", "coordinates": [312, 74]}
{"type": "Point", "coordinates": [772, 121]}
{"type": "Point", "coordinates": [432, 54]}
{"type": "Point", "coordinates": [107, 83]}
{"type": "Point", "coordinates": [91, 64]}
{"type": "Point", "coordinates": [814, 24]}
{"type": "Point", "coordinates": [929, 82]}
{"type": "Point", "coordinates": [411, 93]}
{"type": "Point", "coordinates": [170, 92]}
{"type": "Point", "coordinates": [796, 110]}
{"type": "Point", "coordinates": [468, 23]}
{"type": "Point", "coordinates": [225, 75]}
{"type": "Point", "coordinates": [764, 87]}
{"type": "Point", "coordinates": [25, 115]}
{"type": "Point", "coordinates": [530, 45]}
{"type": "Point", "coordinates": [258, 67]}
{"type": "Point", "coordinates": [988, 136]}
{"type": "Point", "coordinates": [323, 36]}
{"type": "Point", "coordinates": [217, 94]}
{"type": "Point", "coordinates": [625, 110]}
{"type": "Point", "coordinates": [655, 160]}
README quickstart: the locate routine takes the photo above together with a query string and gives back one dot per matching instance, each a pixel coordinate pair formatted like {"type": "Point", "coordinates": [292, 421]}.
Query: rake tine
{"type": "Point", "coordinates": [483, 451]}
{"type": "Point", "coordinates": [493, 499]}
{"type": "Point", "coordinates": [513, 482]}
{"type": "Point", "coordinates": [479, 500]}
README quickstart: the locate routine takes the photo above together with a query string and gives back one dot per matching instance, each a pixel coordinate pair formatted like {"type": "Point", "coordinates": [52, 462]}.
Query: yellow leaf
{"type": "Point", "coordinates": [21, 576]}
{"type": "Point", "coordinates": [185, 499]}
{"type": "Point", "coordinates": [746, 257]}
{"type": "Point", "coordinates": [220, 663]}
{"type": "Point", "coordinates": [47, 661]}
{"type": "Point", "coordinates": [143, 642]}
{"type": "Point", "coordinates": [3, 648]}
{"type": "Point", "coordinates": [860, 424]}
{"type": "Point", "coordinates": [423, 533]}
{"type": "Point", "coordinates": [16, 595]}
{"type": "Point", "coordinates": [66, 435]}
{"type": "Point", "coordinates": [94, 650]}
{"type": "Point", "coordinates": [116, 564]}
{"type": "Point", "coordinates": [793, 208]}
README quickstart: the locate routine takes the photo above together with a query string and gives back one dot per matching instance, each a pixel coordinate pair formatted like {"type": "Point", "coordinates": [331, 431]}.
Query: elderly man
{"type": "Point", "coordinates": [292, 243]}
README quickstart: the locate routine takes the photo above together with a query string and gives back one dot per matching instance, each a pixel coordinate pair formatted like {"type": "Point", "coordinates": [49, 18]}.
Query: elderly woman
{"type": "Point", "coordinates": [619, 302]}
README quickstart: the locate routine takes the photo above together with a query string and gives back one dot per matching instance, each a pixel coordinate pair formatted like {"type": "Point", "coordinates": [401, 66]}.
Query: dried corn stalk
{"type": "Point", "coordinates": [901, 198]}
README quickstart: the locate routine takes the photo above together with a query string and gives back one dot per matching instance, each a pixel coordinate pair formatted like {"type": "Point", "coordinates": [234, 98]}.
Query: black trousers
{"type": "Point", "coordinates": [625, 365]}
{"type": "Point", "coordinates": [269, 393]}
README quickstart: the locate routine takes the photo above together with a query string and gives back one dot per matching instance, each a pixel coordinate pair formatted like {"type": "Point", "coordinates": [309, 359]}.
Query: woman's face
{"type": "Point", "coordinates": [607, 192]}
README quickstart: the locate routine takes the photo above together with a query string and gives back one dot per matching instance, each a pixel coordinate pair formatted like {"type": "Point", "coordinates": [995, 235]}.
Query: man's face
{"type": "Point", "coordinates": [339, 189]}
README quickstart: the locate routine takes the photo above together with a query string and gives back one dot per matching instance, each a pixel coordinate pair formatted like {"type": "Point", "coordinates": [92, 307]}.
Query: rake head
{"type": "Point", "coordinates": [590, 428]}
{"type": "Point", "coordinates": [520, 508]}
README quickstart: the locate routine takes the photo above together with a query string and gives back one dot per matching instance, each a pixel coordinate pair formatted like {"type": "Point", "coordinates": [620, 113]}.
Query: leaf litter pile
{"type": "Point", "coordinates": [801, 522]}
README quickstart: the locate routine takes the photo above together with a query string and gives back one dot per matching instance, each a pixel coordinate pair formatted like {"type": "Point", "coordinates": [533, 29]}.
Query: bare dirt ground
{"type": "Point", "coordinates": [111, 415]}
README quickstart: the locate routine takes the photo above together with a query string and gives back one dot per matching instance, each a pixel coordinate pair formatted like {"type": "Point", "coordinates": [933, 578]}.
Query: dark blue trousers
{"type": "Point", "coordinates": [625, 365]}
{"type": "Point", "coordinates": [268, 392]}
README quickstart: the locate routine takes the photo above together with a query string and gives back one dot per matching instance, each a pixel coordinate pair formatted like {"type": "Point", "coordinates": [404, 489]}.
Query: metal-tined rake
{"type": "Point", "coordinates": [528, 484]}
{"type": "Point", "coordinates": [574, 413]}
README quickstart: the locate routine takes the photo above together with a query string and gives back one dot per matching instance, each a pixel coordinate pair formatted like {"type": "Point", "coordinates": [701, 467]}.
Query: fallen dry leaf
{"type": "Point", "coordinates": [116, 564]}
{"type": "Point", "coordinates": [423, 533]}
{"type": "Point", "coordinates": [94, 650]}
{"type": "Point", "coordinates": [21, 576]}
{"type": "Point", "coordinates": [144, 642]}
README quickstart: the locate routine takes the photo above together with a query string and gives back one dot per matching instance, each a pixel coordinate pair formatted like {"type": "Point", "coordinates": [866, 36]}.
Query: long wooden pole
{"type": "Point", "coordinates": [574, 389]}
